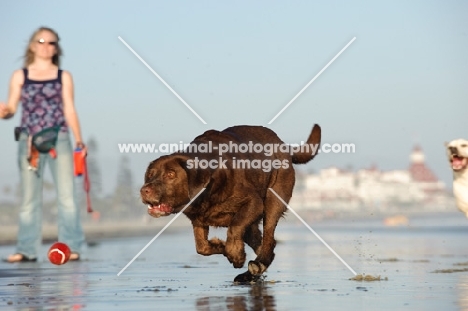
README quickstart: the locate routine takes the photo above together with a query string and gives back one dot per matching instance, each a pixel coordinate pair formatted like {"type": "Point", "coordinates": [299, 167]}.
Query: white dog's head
{"type": "Point", "coordinates": [457, 152]}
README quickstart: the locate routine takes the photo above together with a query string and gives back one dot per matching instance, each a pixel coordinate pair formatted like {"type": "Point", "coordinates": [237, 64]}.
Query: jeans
{"type": "Point", "coordinates": [70, 231]}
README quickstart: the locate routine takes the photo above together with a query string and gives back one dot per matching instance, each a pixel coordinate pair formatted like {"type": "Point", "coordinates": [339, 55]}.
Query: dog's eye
{"type": "Point", "coordinates": [464, 145]}
{"type": "Point", "coordinates": [170, 174]}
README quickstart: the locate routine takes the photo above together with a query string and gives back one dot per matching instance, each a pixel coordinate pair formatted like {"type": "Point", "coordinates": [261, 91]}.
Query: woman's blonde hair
{"type": "Point", "coordinates": [29, 55]}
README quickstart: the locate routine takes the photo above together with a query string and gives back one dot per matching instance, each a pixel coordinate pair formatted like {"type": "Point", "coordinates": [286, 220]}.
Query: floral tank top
{"type": "Point", "coordinates": [42, 105]}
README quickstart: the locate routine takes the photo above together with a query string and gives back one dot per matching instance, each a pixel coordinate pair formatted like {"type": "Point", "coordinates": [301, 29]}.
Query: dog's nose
{"type": "Point", "coordinates": [453, 150]}
{"type": "Point", "coordinates": [146, 191]}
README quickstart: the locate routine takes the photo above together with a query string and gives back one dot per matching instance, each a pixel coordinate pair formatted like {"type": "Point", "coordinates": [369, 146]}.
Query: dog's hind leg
{"type": "Point", "coordinates": [274, 210]}
{"type": "Point", "coordinates": [253, 237]}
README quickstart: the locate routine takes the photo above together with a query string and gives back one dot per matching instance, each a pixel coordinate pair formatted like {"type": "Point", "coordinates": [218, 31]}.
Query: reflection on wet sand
{"type": "Point", "coordinates": [462, 291]}
{"type": "Point", "coordinates": [48, 288]}
{"type": "Point", "coordinates": [256, 299]}
{"type": "Point", "coordinates": [305, 276]}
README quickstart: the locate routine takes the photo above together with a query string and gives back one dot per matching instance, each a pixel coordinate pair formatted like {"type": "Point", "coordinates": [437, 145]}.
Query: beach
{"type": "Point", "coordinates": [422, 265]}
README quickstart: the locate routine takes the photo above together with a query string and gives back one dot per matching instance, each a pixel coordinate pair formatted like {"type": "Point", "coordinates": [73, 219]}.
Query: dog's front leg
{"type": "Point", "coordinates": [205, 247]}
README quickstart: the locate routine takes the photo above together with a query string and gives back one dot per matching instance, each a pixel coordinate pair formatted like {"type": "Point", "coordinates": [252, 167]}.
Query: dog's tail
{"type": "Point", "coordinates": [307, 153]}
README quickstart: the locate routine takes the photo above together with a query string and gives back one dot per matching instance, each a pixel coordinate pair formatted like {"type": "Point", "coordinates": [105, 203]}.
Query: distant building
{"type": "Point", "coordinates": [337, 189]}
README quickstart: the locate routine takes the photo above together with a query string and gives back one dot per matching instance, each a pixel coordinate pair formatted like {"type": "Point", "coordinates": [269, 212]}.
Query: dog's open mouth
{"type": "Point", "coordinates": [458, 163]}
{"type": "Point", "coordinates": [159, 210]}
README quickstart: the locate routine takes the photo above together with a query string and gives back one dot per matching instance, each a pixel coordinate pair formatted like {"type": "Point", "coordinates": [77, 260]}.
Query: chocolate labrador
{"type": "Point", "coordinates": [235, 167]}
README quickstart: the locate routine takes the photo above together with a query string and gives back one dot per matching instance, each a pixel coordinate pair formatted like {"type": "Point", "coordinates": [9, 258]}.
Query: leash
{"type": "Point", "coordinates": [87, 185]}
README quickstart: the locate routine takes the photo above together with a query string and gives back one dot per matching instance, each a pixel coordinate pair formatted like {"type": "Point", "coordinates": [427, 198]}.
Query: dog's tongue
{"type": "Point", "coordinates": [165, 208]}
{"type": "Point", "coordinates": [457, 162]}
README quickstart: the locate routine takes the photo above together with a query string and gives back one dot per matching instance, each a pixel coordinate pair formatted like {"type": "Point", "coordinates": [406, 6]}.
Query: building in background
{"type": "Point", "coordinates": [416, 188]}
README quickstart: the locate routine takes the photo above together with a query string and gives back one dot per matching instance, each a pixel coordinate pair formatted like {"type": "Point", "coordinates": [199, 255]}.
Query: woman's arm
{"type": "Point", "coordinates": [69, 108]}
{"type": "Point", "coordinates": [16, 82]}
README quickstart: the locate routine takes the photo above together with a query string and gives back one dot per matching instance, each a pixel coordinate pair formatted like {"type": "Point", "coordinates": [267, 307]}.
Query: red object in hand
{"type": "Point", "coordinates": [79, 161]}
{"type": "Point", "coordinates": [59, 253]}
{"type": "Point", "coordinates": [53, 153]}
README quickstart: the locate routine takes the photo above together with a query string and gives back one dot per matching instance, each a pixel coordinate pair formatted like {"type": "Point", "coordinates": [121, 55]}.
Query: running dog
{"type": "Point", "coordinates": [237, 191]}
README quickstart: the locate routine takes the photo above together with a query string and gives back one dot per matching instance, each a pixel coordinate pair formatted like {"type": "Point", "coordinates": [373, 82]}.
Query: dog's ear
{"type": "Point", "coordinates": [197, 178]}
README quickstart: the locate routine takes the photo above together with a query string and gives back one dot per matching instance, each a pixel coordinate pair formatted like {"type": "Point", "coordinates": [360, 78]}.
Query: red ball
{"type": "Point", "coordinates": [59, 253]}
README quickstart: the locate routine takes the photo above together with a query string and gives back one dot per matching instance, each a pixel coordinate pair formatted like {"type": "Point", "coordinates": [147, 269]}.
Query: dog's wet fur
{"type": "Point", "coordinates": [238, 199]}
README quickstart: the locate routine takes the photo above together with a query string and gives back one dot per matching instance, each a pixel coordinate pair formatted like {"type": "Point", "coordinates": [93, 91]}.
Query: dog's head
{"type": "Point", "coordinates": [169, 185]}
{"type": "Point", "coordinates": [457, 152]}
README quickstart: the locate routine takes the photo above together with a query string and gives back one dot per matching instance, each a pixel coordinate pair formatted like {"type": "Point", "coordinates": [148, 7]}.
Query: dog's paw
{"type": "Point", "coordinates": [235, 253]}
{"type": "Point", "coordinates": [246, 277]}
{"type": "Point", "coordinates": [237, 260]}
{"type": "Point", "coordinates": [256, 268]}
{"type": "Point", "coordinates": [218, 246]}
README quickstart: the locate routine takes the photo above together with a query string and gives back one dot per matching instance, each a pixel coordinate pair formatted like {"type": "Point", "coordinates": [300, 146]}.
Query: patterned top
{"type": "Point", "coordinates": [42, 104]}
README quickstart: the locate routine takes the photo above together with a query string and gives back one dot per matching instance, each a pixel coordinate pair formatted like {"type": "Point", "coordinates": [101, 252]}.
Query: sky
{"type": "Point", "coordinates": [403, 81]}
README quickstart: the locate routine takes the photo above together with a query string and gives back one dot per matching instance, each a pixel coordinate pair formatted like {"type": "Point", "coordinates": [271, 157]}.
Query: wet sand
{"type": "Point", "coordinates": [94, 230]}
{"type": "Point", "coordinates": [421, 267]}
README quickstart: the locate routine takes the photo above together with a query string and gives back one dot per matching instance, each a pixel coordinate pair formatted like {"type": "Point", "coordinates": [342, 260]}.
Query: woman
{"type": "Point", "coordinates": [46, 96]}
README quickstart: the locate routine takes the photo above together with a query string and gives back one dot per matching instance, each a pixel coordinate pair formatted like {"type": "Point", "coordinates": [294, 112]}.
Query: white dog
{"type": "Point", "coordinates": [457, 152]}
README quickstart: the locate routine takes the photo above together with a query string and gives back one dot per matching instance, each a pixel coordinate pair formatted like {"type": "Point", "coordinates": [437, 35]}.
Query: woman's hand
{"type": "Point", "coordinates": [4, 111]}
{"type": "Point", "coordinates": [82, 146]}
{"type": "Point", "coordinates": [8, 110]}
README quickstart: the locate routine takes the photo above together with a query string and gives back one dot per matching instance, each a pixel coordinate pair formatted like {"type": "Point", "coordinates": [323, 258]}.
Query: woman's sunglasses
{"type": "Point", "coordinates": [42, 41]}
